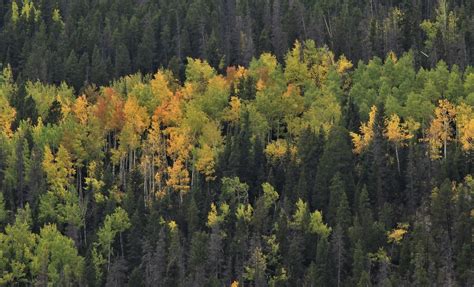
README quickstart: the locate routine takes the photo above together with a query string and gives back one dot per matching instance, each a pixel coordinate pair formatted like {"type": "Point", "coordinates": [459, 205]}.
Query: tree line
{"type": "Point", "coordinates": [92, 41]}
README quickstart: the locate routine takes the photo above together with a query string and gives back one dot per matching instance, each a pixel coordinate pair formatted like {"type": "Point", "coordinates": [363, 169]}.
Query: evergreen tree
{"type": "Point", "coordinates": [337, 157]}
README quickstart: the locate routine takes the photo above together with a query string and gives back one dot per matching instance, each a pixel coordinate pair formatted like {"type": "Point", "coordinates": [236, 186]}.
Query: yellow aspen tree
{"type": "Point", "coordinates": [7, 112]}
{"type": "Point", "coordinates": [7, 115]}
{"type": "Point", "coordinates": [80, 109]}
{"type": "Point", "coordinates": [397, 133]}
{"type": "Point", "coordinates": [59, 169]}
{"type": "Point", "coordinates": [205, 162]}
{"type": "Point", "coordinates": [179, 143]}
{"type": "Point", "coordinates": [178, 178]}
{"type": "Point", "coordinates": [465, 126]}
{"type": "Point", "coordinates": [153, 162]}
{"type": "Point", "coordinates": [136, 121]}
{"type": "Point", "coordinates": [276, 150]}
{"type": "Point", "coordinates": [232, 113]}
{"type": "Point", "coordinates": [160, 87]}
{"type": "Point", "coordinates": [205, 155]}
{"type": "Point", "coordinates": [441, 131]}
{"type": "Point", "coordinates": [361, 141]}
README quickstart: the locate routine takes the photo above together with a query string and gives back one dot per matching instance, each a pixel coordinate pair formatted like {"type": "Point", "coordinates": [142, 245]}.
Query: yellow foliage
{"type": "Point", "coordinates": [59, 169]}
{"type": "Point", "coordinates": [179, 143]}
{"type": "Point", "coordinates": [395, 131]}
{"type": "Point", "coordinates": [392, 56]}
{"type": "Point", "coordinates": [465, 126]}
{"type": "Point", "coordinates": [276, 150]}
{"type": "Point", "coordinates": [160, 87]}
{"type": "Point", "coordinates": [170, 111]}
{"type": "Point", "coordinates": [234, 74]}
{"type": "Point", "coordinates": [135, 115]}
{"type": "Point", "coordinates": [136, 121]}
{"type": "Point", "coordinates": [213, 218]}
{"type": "Point", "coordinates": [178, 177]}
{"type": "Point", "coordinates": [440, 130]}
{"type": "Point", "coordinates": [467, 136]}
{"type": "Point", "coordinates": [343, 64]}
{"type": "Point", "coordinates": [362, 140]}
{"type": "Point", "coordinates": [235, 283]}
{"type": "Point", "coordinates": [7, 116]}
{"type": "Point", "coordinates": [260, 85]}
{"type": "Point", "coordinates": [241, 72]}
{"type": "Point", "coordinates": [233, 112]}
{"type": "Point", "coordinates": [397, 234]}
{"type": "Point", "coordinates": [80, 109]}
{"type": "Point", "coordinates": [173, 226]}
{"type": "Point", "coordinates": [205, 162]}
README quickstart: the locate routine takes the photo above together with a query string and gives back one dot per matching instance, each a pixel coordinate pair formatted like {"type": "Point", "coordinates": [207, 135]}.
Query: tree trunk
{"type": "Point", "coordinates": [121, 243]}
{"type": "Point", "coordinates": [398, 159]}
{"type": "Point", "coordinates": [445, 149]}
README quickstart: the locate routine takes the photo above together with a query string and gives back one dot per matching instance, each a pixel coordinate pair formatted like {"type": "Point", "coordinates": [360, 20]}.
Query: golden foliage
{"type": "Point", "coordinates": [173, 226]}
{"type": "Point", "coordinates": [7, 116]}
{"type": "Point", "coordinates": [397, 234]}
{"type": "Point", "coordinates": [276, 150]}
{"type": "Point", "coordinates": [465, 126]}
{"type": "Point", "coordinates": [109, 110]}
{"type": "Point", "coordinates": [135, 115]}
{"type": "Point", "coordinates": [170, 111]}
{"type": "Point", "coordinates": [206, 163]}
{"type": "Point", "coordinates": [232, 113]}
{"type": "Point", "coordinates": [234, 74]}
{"type": "Point", "coordinates": [440, 131]}
{"type": "Point", "coordinates": [212, 217]}
{"type": "Point", "coordinates": [178, 177]}
{"type": "Point", "coordinates": [59, 169]}
{"type": "Point", "coordinates": [80, 109]}
{"type": "Point", "coordinates": [160, 87]}
{"type": "Point", "coordinates": [362, 140]}
{"type": "Point", "coordinates": [179, 143]}
{"type": "Point", "coordinates": [395, 131]}
{"type": "Point", "coordinates": [343, 64]}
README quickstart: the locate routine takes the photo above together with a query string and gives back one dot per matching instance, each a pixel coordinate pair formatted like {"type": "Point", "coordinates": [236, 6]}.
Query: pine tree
{"type": "Point", "coordinates": [122, 61]}
{"type": "Point", "coordinates": [337, 157]}
{"type": "Point", "coordinates": [146, 49]}
{"type": "Point", "coordinates": [98, 68]}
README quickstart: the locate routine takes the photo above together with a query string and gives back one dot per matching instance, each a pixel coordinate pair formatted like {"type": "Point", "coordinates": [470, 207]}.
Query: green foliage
{"type": "Point", "coordinates": [57, 256]}
{"type": "Point", "coordinates": [115, 223]}
{"type": "Point", "coordinates": [17, 246]}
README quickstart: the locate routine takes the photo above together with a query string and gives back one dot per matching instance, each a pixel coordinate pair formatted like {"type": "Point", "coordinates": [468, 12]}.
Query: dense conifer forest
{"type": "Point", "coordinates": [236, 143]}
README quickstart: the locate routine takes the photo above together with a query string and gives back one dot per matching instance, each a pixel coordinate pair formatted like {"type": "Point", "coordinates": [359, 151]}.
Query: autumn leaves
{"type": "Point", "coordinates": [449, 123]}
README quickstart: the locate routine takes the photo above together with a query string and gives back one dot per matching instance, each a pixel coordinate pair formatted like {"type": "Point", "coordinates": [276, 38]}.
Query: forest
{"type": "Point", "coordinates": [236, 143]}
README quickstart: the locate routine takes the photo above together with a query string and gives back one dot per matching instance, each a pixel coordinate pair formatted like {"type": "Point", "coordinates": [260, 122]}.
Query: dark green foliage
{"type": "Point", "coordinates": [161, 34]}
{"type": "Point", "coordinates": [337, 157]}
